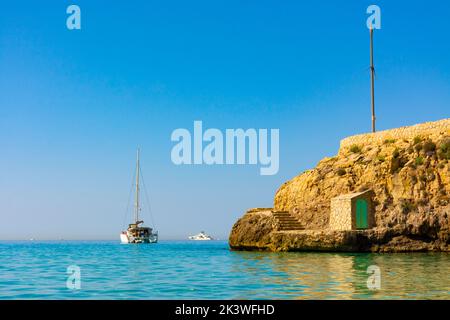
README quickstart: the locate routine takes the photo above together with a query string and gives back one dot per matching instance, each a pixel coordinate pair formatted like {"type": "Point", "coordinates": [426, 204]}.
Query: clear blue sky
{"type": "Point", "coordinates": [75, 104]}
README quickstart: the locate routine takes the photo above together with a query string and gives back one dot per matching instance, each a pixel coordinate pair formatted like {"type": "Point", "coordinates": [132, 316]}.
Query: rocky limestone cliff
{"type": "Point", "coordinates": [408, 170]}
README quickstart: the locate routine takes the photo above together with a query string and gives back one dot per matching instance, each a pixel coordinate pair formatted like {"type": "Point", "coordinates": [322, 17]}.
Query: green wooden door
{"type": "Point", "coordinates": [361, 214]}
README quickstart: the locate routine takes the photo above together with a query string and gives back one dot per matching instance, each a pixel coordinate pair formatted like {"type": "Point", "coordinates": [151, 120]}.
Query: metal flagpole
{"type": "Point", "coordinates": [372, 69]}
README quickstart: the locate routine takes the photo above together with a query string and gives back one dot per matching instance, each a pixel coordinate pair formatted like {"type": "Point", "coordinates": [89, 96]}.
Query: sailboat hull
{"type": "Point", "coordinates": [126, 238]}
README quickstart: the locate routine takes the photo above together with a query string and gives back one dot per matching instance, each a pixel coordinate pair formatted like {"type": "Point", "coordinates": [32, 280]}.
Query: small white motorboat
{"type": "Point", "coordinates": [201, 237]}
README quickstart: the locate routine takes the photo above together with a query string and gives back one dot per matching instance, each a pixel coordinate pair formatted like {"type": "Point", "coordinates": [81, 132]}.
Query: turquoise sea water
{"type": "Point", "coordinates": [209, 270]}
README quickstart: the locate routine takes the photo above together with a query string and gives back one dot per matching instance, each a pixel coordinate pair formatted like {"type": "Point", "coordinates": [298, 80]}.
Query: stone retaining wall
{"type": "Point", "coordinates": [437, 128]}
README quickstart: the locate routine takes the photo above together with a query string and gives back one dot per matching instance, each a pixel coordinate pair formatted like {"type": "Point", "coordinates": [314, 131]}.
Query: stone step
{"type": "Point", "coordinates": [289, 223]}
{"type": "Point", "coordinates": [291, 227]}
{"type": "Point", "coordinates": [287, 219]}
{"type": "Point", "coordinates": [284, 216]}
{"type": "Point", "coordinates": [293, 223]}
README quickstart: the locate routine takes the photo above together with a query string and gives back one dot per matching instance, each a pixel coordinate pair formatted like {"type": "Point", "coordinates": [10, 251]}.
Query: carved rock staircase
{"type": "Point", "coordinates": [286, 221]}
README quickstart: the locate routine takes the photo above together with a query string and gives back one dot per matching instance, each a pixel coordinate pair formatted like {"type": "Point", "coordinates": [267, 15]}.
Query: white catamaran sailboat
{"type": "Point", "coordinates": [136, 233]}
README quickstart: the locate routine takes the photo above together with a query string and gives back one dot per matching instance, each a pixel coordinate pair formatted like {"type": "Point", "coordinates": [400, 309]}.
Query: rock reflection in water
{"type": "Point", "coordinates": [341, 275]}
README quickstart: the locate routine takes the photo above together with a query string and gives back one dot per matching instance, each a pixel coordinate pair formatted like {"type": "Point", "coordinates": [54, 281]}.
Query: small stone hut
{"type": "Point", "coordinates": [353, 211]}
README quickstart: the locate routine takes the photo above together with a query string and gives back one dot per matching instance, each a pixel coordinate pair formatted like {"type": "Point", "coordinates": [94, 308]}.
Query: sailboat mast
{"type": "Point", "coordinates": [136, 203]}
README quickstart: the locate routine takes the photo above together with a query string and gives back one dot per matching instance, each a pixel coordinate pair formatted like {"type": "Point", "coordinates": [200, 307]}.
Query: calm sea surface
{"type": "Point", "coordinates": [208, 270]}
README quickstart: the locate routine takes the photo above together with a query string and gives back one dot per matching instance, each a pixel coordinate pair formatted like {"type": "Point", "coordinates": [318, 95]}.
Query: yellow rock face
{"type": "Point", "coordinates": [407, 168]}
{"type": "Point", "coordinates": [407, 174]}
